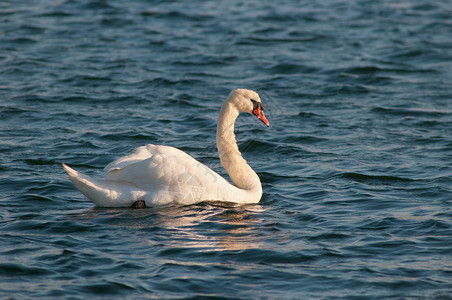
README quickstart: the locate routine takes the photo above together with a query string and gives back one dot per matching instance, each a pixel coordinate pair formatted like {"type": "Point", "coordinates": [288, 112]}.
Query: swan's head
{"type": "Point", "coordinates": [248, 101]}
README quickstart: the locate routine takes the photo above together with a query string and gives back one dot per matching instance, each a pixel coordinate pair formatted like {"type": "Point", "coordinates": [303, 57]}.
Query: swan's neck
{"type": "Point", "coordinates": [238, 170]}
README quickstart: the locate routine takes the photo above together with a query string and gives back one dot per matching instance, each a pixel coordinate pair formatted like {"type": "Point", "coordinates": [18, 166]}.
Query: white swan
{"type": "Point", "coordinates": [157, 175]}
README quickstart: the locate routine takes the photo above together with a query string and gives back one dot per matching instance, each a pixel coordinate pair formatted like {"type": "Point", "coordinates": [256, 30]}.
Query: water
{"type": "Point", "coordinates": [356, 165]}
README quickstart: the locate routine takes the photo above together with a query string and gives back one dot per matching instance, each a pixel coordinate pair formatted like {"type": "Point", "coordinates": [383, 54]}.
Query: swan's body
{"type": "Point", "coordinates": [161, 174]}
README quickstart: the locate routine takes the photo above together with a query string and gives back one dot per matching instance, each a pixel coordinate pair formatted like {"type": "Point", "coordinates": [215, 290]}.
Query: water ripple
{"type": "Point", "coordinates": [355, 166]}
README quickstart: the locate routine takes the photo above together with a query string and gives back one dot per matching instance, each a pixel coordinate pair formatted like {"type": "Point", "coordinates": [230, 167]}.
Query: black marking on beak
{"type": "Point", "coordinates": [256, 105]}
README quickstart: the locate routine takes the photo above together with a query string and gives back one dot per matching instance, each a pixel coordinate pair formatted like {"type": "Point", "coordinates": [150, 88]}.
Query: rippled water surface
{"type": "Point", "coordinates": [356, 166]}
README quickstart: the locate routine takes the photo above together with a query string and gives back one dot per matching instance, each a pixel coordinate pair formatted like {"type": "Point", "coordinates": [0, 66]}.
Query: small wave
{"type": "Point", "coordinates": [409, 112]}
{"type": "Point", "coordinates": [373, 70]}
{"type": "Point", "coordinates": [254, 145]}
{"type": "Point", "coordinates": [96, 4]}
{"type": "Point", "coordinates": [375, 179]}
{"type": "Point", "coordinates": [166, 82]}
{"type": "Point", "coordinates": [335, 89]}
{"type": "Point", "coordinates": [206, 60]}
{"type": "Point", "coordinates": [290, 68]}
{"type": "Point", "coordinates": [128, 135]}
{"type": "Point", "coordinates": [265, 256]}
{"type": "Point", "coordinates": [14, 269]}
{"type": "Point", "coordinates": [86, 79]}
{"type": "Point", "coordinates": [260, 40]}
{"type": "Point", "coordinates": [176, 15]}
{"type": "Point", "coordinates": [41, 162]}
{"type": "Point", "coordinates": [328, 236]}
{"type": "Point", "coordinates": [380, 224]}
{"type": "Point", "coordinates": [309, 115]}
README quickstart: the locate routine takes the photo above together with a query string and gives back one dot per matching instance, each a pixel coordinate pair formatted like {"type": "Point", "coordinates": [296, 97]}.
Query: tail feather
{"type": "Point", "coordinates": [103, 192]}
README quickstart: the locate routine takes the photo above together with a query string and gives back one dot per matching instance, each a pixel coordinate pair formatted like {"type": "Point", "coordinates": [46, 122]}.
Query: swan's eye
{"type": "Point", "coordinates": [258, 109]}
{"type": "Point", "coordinates": [257, 106]}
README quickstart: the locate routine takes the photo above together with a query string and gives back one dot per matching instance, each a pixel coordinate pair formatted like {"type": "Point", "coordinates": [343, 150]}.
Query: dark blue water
{"type": "Point", "coordinates": [356, 165]}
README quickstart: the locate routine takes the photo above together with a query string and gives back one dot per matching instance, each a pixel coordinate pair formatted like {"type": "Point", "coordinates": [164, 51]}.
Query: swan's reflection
{"type": "Point", "coordinates": [207, 226]}
{"type": "Point", "coordinates": [213, 226]}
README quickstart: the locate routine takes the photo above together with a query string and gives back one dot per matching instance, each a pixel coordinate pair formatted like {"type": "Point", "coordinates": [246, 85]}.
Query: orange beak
{"type": "Point", "coordinates": [259, 113]}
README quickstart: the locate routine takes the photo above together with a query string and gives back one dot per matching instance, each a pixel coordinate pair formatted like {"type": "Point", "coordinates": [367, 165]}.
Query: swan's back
{"type": "Point", "coordinates": [170, 174]}
{"type": "Point", "coordinates": [149, 165]}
